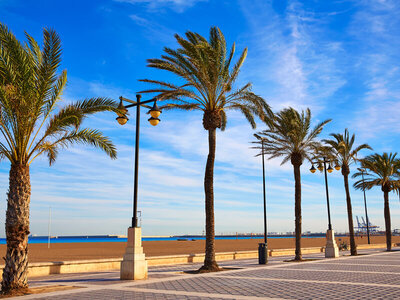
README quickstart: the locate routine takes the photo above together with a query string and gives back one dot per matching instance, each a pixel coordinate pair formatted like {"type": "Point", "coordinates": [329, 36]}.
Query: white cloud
{"type": "Point", "coordinates": [153, 30]}
{"type": "Point", "coordinates": [176, 5]}
{"type": "Point", "coordinates": [375, 28]}
{"type": "Point", "coordinates": [290, 62]}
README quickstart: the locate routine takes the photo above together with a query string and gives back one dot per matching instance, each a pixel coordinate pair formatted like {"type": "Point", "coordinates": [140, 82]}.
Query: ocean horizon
{"type": "Point", "coordinates": [115, 238]}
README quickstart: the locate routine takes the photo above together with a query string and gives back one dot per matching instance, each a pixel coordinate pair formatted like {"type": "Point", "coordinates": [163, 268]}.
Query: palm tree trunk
{"type": "Point", "coordinates": [297, 210]}
{"type": "Point", "coordinates": [17, 230]}
{"type": "Point", "coordinates": [209, 262]}
{"type": "Point", "coordinates": [387, 222]}
{"type": "Point", "coordinates": [353, 246]}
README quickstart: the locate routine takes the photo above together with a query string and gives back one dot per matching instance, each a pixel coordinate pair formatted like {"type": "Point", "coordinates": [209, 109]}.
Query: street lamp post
{"type": "Point", "coordinates": [331, 248]}
{"type": "Point", "coordinates": [365, 203]}
{"type": "Point", "coordinates": [134, 265]}
{"type": "Point", "coordinates": [263, 247]}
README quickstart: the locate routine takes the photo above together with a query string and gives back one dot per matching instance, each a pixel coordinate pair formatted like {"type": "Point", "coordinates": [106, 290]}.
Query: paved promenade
{"type": "Point", "coordinates": [375, 275]}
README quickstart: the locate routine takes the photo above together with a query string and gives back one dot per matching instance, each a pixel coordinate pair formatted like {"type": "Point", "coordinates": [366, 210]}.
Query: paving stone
{"type": "Point", "coordinates": [122, 295]}
{"type": "Point", "coordinates": [347, 267]}
{"type": "Point", "coordinates": [275, 289]}
{"type": "Point", "coordinates": [315, 275]}
{"type": "Point", "coordinates": [347, 278]}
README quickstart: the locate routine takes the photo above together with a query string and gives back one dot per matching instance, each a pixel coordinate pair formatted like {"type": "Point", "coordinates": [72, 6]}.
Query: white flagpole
{"type": "Point", "coordinates": [48, 241]}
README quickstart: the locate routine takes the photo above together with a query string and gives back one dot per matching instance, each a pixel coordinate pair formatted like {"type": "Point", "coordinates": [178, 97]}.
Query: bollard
{"type": "Point", "coordinates": [262, 253]}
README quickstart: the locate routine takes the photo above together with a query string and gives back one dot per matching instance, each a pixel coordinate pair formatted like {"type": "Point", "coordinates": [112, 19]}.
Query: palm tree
{"type": "Point", "coordinates": [342, 149]}
{"type": "Point", "coordinates": [384, 171]}
{"type": "Point", "coordinates": [290, 136]}
{"type": "Point", "coordinates": [205, 67]}
{"type": "Point", "coordinates": [31, 125]}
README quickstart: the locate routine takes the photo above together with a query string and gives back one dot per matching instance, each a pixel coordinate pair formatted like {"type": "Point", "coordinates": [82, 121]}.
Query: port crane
{"type": "Point", "coordinates": [362, 226]}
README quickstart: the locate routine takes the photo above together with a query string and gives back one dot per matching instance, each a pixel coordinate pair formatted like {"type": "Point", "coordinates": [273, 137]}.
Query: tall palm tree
{"type": "Point", "coordinates": [291, 136]}
{"type": "Point", "coordinates": [342, 148]}
{"type": "Point", "coordinates": [205, 67]}
{"type": "Point", "coordinates": [383, 171]}
{"type": "Point", "coordinates": [31, 125]}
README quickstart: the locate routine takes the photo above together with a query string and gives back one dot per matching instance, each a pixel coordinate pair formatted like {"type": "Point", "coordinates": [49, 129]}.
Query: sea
{"type": "Point", "coordinates": [114, 238]}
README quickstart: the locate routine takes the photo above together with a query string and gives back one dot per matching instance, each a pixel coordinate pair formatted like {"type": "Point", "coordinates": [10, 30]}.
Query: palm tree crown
{"type": "Point", "coordinates": [291, 136]}
{"type": "Point", "coordinates": [381, 170]}
{"type": "Point", "coordinates": [208, 75]}
{"type": "Point", "coordinates": [31, 123]}
{"type": "Point", "coordinates": [342, 148]}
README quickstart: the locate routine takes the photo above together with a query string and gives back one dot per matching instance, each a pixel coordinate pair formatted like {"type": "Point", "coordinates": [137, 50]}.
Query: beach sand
{"type": "Point", "coordinates": [82, 251]}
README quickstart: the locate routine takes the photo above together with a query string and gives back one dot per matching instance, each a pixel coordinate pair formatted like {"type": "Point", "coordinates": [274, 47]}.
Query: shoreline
{"type": "Point", "coordinates": [105, 250]}
{"type": "Point", "coordinates": [119, 239]}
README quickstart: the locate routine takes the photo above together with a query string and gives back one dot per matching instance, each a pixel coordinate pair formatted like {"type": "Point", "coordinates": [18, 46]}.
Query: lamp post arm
{"type": "Point", "coordinates": [135, 103]}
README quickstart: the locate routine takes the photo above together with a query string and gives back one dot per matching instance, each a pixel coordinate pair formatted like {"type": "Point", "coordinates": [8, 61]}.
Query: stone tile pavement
{"type": "Point", "coordinates": [375, 275]}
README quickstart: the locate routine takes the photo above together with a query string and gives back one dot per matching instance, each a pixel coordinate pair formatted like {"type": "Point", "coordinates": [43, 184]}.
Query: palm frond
{"type": "Point", "coordinates": [246, 111]}
{"type": "Point", "coordinates": [51, 60]}
{"type": "Point", "coordinates": [190, 106]}
{"type": "Point", "coordinates": [84, 136]}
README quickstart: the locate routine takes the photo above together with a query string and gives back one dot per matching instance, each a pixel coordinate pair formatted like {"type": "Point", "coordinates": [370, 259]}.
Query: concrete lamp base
{"type": "Point", "coordinates": [134, 264]}
{"type": "Point", "coordinates": [331, 249]}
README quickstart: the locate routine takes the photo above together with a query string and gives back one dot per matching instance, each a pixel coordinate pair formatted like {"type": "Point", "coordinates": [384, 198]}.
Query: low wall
{"type": "Point", "coordinates": [78, 266]}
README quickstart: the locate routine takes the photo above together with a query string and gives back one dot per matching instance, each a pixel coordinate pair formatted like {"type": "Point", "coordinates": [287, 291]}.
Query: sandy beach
{"type": "Point", "coordinates": [82, 251]}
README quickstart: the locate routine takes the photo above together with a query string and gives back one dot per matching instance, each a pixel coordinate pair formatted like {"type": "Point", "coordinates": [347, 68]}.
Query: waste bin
{"type": "Point", "coordinates": [262, 253]}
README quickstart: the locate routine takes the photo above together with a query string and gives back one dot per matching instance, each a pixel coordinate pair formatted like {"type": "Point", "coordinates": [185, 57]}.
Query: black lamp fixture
{"type": "Point", "coordinates": [154, 112]}
{"type": "Point", "coordinates": [122, 118]}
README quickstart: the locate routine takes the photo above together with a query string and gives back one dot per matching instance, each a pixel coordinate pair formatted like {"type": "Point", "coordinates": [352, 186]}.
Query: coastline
{"type": "Point", "coordinates": [104, 250]}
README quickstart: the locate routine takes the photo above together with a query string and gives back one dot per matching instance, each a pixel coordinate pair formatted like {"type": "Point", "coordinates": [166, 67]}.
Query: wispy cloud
{"type": "Point", "coordinates": [153, 30]}
{"type": "Point", "coordinates": [375, 28]}
{"type": "Point", "coordinates": [291, 63]}
{"type": "Point", "coordinates": [176, 5]}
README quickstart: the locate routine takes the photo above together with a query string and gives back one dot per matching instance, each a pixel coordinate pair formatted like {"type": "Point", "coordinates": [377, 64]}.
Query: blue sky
{"type": "Point", "coordinates": [339, 58]}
